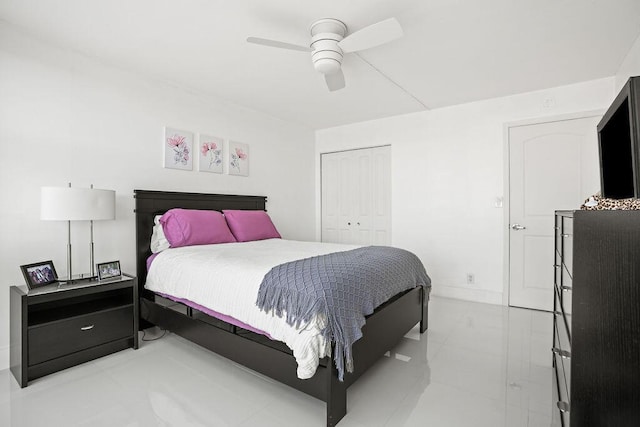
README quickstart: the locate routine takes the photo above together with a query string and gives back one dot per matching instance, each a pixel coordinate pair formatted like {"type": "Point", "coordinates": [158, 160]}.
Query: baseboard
{"type": "Point", "coordinates": [467, 294]}
{"type": "Point", "coordinates": [4, 357]}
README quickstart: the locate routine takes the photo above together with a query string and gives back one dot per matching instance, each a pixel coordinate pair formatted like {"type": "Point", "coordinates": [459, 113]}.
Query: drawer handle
{"type": "Point", "coordinates": [87, 328]}
{"type": "Point", "coordinates": [563, 406]}
{"type": "Point", "coordinates": [556, 265]}
{"type": "Point", "coordinates": [565, 235]}
{"type": "Point", "coordinates": [565, 288]}
{"type": "Point", "coordinates": [562, 353]}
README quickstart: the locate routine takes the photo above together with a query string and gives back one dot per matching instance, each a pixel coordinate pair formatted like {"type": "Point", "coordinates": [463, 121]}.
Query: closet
{"type": "Point", "coordinates": [356, 196]}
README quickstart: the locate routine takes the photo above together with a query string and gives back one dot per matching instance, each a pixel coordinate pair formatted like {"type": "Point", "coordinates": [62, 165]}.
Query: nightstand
{"type": "Point", "coordinates": [62, 325]}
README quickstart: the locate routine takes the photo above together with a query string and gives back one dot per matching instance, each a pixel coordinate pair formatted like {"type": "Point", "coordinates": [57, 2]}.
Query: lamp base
{"type": "Point", "coordinates": [78, 278]}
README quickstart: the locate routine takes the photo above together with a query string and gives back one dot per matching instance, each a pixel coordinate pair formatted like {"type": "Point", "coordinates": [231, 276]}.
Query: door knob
{"type": "Point", "coordinates": [517, 227]}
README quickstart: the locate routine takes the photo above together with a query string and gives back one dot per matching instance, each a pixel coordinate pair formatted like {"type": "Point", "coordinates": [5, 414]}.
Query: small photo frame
{"type": "Point", "coordinates": [109, 270]}
{"type": "Point", "coordinates": [39, 274]}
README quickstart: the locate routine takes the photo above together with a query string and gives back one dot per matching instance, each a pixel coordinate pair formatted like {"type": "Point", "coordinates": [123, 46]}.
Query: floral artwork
{"type": "Point", "coordinates": [177, 149]}
{"type": "Point", "coordinates": [238, 159]}
{"type": "Point", "coordinates": [211, 152]}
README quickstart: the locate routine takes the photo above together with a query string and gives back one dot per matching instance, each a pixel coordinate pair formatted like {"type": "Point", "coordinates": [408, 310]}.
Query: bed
{"type": "Point", "coordinates": [382, 331]}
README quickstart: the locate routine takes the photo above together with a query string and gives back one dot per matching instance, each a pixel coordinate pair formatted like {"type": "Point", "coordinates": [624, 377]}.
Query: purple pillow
{"type": "Point", "coordinates": [189, 227]}
{"type": "Point", "coordinates": [247, 226]}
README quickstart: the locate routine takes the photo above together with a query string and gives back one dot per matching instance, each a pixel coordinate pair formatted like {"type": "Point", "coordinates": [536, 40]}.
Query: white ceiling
{"type": "Point", "coordinates": [453, 51]}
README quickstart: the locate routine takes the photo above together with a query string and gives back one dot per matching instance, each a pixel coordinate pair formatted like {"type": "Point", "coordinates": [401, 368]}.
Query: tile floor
{"type": "Point", "coordinates": [478, 365]}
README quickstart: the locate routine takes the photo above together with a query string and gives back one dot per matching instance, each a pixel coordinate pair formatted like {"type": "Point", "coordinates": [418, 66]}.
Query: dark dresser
{"type": "Point", "coordinates": [596, 344]}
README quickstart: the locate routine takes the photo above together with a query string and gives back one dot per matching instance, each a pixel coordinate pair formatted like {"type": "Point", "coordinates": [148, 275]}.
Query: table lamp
{"type": "Point", "coordinates": [77, 204]}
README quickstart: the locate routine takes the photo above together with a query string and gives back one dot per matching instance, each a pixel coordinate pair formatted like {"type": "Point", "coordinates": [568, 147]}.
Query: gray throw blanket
{"type": "Point", "coordinates": [341, 287]}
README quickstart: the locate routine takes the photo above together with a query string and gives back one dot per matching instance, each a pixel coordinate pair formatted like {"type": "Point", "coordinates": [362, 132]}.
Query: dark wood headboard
{"type": "Point", "coordinates": [148, 204]}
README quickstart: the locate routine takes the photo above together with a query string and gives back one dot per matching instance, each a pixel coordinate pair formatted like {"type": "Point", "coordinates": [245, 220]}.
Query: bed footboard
{"type": "Point", "coordinates": [383, 330]}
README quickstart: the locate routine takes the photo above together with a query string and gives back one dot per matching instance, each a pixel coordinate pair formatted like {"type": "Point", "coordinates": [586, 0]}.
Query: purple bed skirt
{"type": "Point", "coordinates": [231, 320]}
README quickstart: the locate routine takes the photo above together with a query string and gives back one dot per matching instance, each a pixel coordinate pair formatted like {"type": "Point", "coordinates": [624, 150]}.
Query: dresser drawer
{"type": "Point", "coordinates": [556, 415]}
{"type": "Point", "coordinates": [562, 362]}
{"type": "Point", "coordinates": [562, 405]}
{"type": "Point", "coordinates": [565, 295]}
{"type": "Point", "coordinates": [561, 337]}
{"type": "Point", "coordinates": [50, 340]}
{"type": "Point", "coordinates": [566, 241]}
{"type": "Point", "coordinates": [567, 251]}
{"type": "Point", "coordinates": [557, 306]}
{"type": "Point", "coordinates": [557, 266]}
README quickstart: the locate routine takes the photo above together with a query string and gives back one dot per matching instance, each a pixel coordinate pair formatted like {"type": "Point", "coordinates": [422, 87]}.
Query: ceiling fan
{"type": "Point", "coordinates": [329, 44]}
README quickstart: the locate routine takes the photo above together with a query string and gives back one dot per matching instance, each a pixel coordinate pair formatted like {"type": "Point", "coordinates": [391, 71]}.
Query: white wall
{"type": "Point", "coordinates": [447, 170]}
{"type": "Point", "coordinates": [65, 117]}
{"type": "Point", "coordinates": [630, 66]}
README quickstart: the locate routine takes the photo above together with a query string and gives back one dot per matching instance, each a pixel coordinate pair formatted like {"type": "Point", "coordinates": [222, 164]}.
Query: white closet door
{"type": "Point", "coordinates": [356, 202]}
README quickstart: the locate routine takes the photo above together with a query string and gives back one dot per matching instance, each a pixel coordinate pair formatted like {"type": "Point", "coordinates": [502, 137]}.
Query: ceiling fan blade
{"type": "Point", "coordinates": [372, 36]}
{"type": "Point", "coordinates": [275, 43]}
{"type": "Point", "coordinates": [335, 80]}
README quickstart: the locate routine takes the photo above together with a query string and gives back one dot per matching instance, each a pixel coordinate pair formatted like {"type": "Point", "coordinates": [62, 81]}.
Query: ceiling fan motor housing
{"type": "Point", "coordinates": [325, 35]}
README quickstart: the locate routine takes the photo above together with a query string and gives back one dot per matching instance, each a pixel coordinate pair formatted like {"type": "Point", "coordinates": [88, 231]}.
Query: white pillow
{"type": "Point", "coordinates": [158, 240]}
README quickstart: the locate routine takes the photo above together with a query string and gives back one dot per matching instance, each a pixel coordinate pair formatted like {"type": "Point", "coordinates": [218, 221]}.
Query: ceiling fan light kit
{"type": "Point", "coordinates": [329, 43]}
{"type": "Point", "coordinates": [325, 36]}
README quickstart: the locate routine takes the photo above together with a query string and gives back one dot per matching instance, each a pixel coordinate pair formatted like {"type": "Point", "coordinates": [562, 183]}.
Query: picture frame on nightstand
{"type": "Point", "coordinates": [109, 270]}
{"type": "Point", "coordinates": [39, 274]}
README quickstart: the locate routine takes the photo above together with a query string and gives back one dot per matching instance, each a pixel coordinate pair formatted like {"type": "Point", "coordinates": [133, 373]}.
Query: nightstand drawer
{"type": "Point", "coordinates": [50, 340]}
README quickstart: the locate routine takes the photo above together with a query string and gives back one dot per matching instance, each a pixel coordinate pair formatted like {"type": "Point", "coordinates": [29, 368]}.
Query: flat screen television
{"type": "Point", "coordinates": [619, 144]}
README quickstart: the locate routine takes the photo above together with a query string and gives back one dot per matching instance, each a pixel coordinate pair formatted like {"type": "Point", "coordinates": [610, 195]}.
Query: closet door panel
{"type": "Point", "coordinates": [330, 198]}
{"type": "Point", "coordinates": [381, 201]}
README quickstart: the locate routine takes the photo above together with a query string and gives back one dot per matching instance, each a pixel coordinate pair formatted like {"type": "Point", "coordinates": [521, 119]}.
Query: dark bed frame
{"type": "Point", "coordinates": [382, 331]}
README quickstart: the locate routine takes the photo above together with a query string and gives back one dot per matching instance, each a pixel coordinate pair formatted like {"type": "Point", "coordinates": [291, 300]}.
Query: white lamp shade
{"type": "Point", "coordinates": [77, 204]}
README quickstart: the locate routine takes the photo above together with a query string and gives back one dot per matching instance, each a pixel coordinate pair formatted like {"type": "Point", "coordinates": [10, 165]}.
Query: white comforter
{"type": "Point", "coordinates": [226, 278]}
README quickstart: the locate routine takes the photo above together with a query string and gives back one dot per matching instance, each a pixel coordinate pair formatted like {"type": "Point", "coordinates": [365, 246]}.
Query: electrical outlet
{"type": "Point", "coordinates": [471, 279]}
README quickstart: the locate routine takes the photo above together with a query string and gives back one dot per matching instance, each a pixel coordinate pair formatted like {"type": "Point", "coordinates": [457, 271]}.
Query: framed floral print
{"type": "Point", "coordinates": [238, 158]}
{"type": "Point", "coordinates": [178, 146]}
{"type": "Point", "coordinates": [211, 154]}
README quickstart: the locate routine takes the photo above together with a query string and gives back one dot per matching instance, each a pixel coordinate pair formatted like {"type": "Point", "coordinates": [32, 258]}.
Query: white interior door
{"type": "Point", "coordinates": [552, 166]}
{"type": "Point", "coordinates": [356, 196]}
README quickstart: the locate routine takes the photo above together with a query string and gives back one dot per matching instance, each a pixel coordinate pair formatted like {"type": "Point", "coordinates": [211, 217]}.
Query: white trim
{"type": "Point", "coordinates": [346, 150]}
{"type": "Point", "coordinates": [558, 118]}
{"type": "Point", "coordinates": [506, 206]}
{"type": "Point", "coordinates": [468, 294]}
{"type": "Point", "coordinates": [4, 357]}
